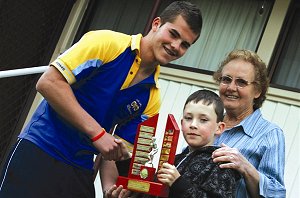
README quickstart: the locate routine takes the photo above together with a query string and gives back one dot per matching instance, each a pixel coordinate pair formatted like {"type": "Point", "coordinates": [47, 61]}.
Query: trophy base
{"type": "Point", "coordinates": [142, 186]}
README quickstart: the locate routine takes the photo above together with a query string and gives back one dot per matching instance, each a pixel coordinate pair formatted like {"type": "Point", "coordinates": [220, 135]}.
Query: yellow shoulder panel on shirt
{"type": "Point", "coordinates": [101, 45]}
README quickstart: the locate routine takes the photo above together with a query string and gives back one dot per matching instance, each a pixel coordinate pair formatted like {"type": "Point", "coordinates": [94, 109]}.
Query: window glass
{"type": "Point", "coordinates": [227, 25]}
{"type": "Point", "coordinates": [287, 68]}
{"type": "Point", "coordinates": [128, 16]}
{"type": "Point", "coordinates": [223, 29]}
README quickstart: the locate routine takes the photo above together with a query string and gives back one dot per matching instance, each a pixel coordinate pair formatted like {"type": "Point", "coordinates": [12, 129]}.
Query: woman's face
{"type": "Point", "coordinates": [238, 99]}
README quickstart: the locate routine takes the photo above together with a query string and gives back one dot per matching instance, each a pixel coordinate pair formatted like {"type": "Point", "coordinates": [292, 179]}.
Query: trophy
{"type": "Point", "coordinates": [141, 175]}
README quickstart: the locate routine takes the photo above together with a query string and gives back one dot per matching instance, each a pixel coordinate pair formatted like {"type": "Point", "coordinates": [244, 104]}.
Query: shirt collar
{"type": "Point", "coordinates": [135, 42]}
{"type": "Point", "coordinates": [249, 123]}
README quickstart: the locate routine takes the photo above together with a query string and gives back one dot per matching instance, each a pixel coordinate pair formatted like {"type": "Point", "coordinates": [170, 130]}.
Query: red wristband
{"type": "Point", "coordinates": [97, 137]}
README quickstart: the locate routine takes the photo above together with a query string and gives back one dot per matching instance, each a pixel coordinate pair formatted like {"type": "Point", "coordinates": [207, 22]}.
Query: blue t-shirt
{"type": "Point", "coordinates": [99, 69]}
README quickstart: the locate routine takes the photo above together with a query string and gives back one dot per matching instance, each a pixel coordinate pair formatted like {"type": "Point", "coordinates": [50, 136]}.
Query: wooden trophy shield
{"type": "Point", "coordinates": [141, 175]}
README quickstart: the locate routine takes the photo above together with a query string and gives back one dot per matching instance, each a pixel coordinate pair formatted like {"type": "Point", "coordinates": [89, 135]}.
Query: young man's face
{"type": "Point", "coordinates": [171, 40]}
{"type": "Point", "coordinates": [199, 124]}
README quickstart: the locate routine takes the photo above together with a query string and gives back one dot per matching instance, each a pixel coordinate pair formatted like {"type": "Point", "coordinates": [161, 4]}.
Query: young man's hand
{"type": "Point", "coordinates": [112, 148]}
{"type": "Point", "coordinates": [108, 147]}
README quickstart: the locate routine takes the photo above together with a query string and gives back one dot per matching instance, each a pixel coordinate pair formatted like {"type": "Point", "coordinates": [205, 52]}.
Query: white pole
{"type": "Point", "coordinates": [25, 71]}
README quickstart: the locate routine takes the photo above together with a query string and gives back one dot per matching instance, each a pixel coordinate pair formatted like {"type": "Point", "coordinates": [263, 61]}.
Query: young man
{"type": "Point", "coordinates": [195, 174]}
{"type": "Point", "coordinates": [178, 27]}
{"type": "Point", "coordinates": [108, 80]}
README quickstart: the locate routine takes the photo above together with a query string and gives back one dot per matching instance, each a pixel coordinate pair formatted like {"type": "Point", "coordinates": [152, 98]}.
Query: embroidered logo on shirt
{"type": "Point", "coordinates": [134, 106]}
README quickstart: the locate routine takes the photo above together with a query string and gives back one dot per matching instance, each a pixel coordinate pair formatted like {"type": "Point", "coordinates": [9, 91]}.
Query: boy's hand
{"type": "Point", "coordinates": [116, 192]}
{"type": "Point", "coordinates": [167, 174]}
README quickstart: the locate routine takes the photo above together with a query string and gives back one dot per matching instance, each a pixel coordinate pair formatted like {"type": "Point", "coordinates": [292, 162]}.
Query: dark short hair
{"type": "Point", "coordinates": [190, 13]}
{"type": "Point", "coordinates": [260, 72]}
{"type": "Point", "coordinates": [208, 97]}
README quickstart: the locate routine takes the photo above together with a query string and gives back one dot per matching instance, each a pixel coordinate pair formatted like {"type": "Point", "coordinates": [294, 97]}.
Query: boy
{"type": "Point", "coordinates": [194, 173]}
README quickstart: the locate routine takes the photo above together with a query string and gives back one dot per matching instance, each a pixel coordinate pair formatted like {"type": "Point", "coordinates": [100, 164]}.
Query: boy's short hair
{"type": "Point", "coordinates": [190, 13]}
{"type": "Point", "coordinates": [208, 97]}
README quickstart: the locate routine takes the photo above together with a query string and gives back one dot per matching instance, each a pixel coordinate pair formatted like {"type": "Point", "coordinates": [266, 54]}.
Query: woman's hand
{"type": "Point", "coordinates": [231, 158]}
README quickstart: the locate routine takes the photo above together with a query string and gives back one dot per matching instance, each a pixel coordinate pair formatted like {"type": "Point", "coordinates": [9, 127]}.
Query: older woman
{"type": "Point", "coordinates": [250, 144]}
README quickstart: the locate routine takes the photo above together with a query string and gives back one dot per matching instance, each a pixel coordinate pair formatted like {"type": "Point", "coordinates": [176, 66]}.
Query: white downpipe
{"type": "Point", "coordinates": [21, 72]}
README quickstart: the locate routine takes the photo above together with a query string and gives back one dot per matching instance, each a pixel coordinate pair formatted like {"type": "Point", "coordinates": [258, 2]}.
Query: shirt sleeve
{"type": "Point", "coordinates": [271, 169]}
{"type": "Point", "coordinates": [179, 187]}
{"type": "Point", "coordinates": [94, 49]}
{"type": "Point", "coordinates": [218, 183]}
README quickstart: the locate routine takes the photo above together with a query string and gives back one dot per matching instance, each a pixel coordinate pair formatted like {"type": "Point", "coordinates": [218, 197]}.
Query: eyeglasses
{"type": "Point", "coordinates": [239, 82]}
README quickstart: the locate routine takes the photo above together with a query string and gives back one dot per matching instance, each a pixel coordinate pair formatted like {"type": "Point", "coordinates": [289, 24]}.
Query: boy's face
{"type": "Point", "coordinates": [199, 124]}
{"type": "Point", "coordinates": [171, 40]}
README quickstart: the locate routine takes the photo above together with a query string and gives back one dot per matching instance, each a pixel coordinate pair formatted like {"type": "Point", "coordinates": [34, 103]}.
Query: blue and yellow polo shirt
{"type": "Point", "coordinates": [99, 69]}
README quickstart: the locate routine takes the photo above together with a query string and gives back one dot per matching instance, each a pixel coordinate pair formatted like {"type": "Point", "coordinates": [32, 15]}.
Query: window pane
{"type": "Point", "coordinates": [287, 71]}
{"type": "Point", "coordinates": [223, 30]}
{"type": "Point", "coordinates": [128, 16]}
{"type": "Point", "coordinates": [227, 24]}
